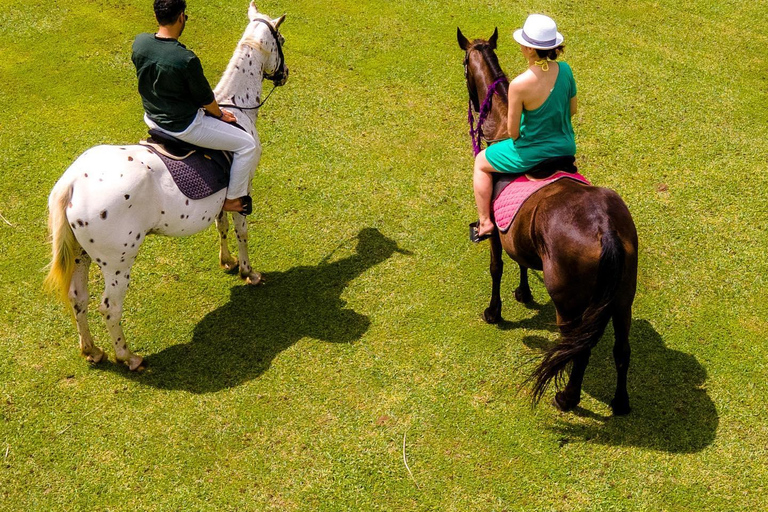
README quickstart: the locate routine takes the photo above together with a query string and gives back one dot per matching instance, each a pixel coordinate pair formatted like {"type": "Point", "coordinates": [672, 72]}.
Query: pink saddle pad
{"type": "Point", "coordinates": [508, 203]}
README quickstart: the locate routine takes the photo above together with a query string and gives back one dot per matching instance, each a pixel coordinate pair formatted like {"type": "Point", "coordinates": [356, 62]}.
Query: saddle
{"type": "Point", "coordinates": [540, 171]}
{"type": "Point", "coordinates": [511, 191]}
{"type": "Point", "coordinates": [198, 172]}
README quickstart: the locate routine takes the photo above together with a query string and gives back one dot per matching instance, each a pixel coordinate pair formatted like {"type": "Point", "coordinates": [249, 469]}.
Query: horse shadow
{"type": "Point", "coordinates": [238, 341]}
{"type": "Point", "coordinates": [671, 410]}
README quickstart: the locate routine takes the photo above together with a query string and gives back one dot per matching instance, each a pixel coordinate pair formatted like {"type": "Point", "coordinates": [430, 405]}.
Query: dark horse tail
{"type": "Point", "coordinates": [581, 335]}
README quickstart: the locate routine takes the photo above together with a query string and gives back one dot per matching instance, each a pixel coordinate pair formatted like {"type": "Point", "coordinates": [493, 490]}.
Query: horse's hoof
{"type": "Point", "coordinates": [562, 404]}
{"type": "Point", "coordinates": [523, 296]}
{"type": "Point", "coordinates": [229, 265]}
{"type": "Point", "coordinates": [620, 408]}
{"type": "Point", "coordinates": [135, 363]}
{"type": "Point", "coordinates": [97, 358]}
{"type": "Point", "coordinates": [491, 317]}
{"type": "Point", "coordinates": [254, 279]}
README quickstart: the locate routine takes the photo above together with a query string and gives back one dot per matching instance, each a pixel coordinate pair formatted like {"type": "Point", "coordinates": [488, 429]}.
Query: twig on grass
{"type": "Point", "coordinates": [6, 220]}
{"type": "Point", "coordinates": [84, 416]}
{"type": "Point", "coordinates": [405, 461]}
{"type": "Point", "coordinates": [7, 449]}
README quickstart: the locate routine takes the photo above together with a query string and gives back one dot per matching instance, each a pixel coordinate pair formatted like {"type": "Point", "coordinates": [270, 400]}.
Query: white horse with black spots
{"type": "Point", "coordinates": [112, 197]}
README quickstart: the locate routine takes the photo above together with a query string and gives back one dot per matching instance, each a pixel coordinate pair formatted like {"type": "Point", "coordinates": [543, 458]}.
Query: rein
{"type": "Point", "coordinates": [476, 134]}
{"type": "Point", "coordinates": [277, 76]}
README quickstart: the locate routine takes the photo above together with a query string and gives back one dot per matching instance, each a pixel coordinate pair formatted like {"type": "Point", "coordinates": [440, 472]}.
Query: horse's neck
{"type": "Point", "coordinates": [496, 121]}
{"type": "Point", "coordinates": [241, 82]}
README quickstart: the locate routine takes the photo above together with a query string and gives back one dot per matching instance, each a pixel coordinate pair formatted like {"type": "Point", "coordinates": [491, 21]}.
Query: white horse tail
{"type": "Point", "coordinates": [64, 245]}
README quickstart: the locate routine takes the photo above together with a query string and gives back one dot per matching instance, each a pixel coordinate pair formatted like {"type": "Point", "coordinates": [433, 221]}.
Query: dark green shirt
{"type": "Point", "coordinates": [171, 81]}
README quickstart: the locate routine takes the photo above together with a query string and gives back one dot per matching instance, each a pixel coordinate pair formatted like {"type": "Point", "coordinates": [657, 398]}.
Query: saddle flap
{"type": "Point", "coordinates": [172, 145]}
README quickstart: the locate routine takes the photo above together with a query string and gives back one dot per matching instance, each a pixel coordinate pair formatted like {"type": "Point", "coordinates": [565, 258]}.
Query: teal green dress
{"type": "Point", "coordinates": [545, 132]}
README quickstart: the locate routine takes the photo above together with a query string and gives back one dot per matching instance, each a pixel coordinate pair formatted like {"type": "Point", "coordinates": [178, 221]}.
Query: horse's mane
{"type": "Point", "coordinates": [493, 64]}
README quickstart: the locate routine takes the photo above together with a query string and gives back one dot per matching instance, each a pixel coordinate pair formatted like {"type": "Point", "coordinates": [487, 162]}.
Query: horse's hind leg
{"type": "Point", "coordinates": [569, 398]}
{"type": "Point", "coordinates": [78, 297]}
{"type": "Point", "coordinates": [115, 286]}
{"type": "Point", "coordinates": [523, 292]}
{"type": "Point", "coordinates": [225, 257]}
{"type": "Point", "coordinates": [241, 230]}
{"type": "Point", "coordinates": [492, 314]}
{"type": "Point", "coordinates": [622, 320]}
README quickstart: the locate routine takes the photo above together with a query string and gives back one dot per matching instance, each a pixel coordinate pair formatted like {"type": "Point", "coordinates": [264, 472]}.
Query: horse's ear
{"type": "Point", "coordinates": [463, 42]}
{"type": "Point", "coordinates": [253, 11]}
{"type": "Point", "coordinates": [493, 38]}
{"type": "Point", "coordinates": [279, 21]}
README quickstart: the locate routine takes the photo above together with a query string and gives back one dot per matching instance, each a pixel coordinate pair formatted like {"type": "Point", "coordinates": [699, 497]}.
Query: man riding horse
{"type": "Point", "coordinates": [179, 101]}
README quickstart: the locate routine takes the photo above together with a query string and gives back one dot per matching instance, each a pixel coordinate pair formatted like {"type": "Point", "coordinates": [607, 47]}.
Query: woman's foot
{"type": "Point", "coordinates": [475, 233]}
{"type": "Point", "coordinates": [485, 228]}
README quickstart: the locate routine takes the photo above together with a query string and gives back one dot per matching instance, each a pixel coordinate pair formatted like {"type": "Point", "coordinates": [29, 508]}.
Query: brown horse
{"type": "Point", "coordinates": [581, 237]}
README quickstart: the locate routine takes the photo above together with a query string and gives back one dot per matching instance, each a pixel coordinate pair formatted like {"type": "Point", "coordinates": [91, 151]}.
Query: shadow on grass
{"type": "Point", "coordinates": [238, 341]}
{"type": "Point", "coordinates": [671, 410]}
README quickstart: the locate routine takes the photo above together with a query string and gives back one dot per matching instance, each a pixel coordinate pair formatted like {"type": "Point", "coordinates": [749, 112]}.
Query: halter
{"type": "Point", "coordinates": [476, 134]}
{"type": "Point", "coordinates": [276, 76]}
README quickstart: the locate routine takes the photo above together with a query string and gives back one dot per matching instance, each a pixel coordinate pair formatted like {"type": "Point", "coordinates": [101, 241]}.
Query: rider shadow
{"type": "Point", "coordinates": [238, 341]}
{"type": "Point", "coordinates": [671, 410]}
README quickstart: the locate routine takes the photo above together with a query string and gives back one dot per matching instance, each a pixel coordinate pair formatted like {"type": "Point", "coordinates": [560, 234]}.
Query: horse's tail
{"type": "Point", "coordinates": [64, 245]}
{"type": "Point", "coordinates": [581, 335]}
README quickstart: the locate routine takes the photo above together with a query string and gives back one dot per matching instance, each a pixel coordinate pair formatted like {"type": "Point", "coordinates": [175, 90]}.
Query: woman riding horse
{"type": "Point", "coordinates": [581, 237]}
{"type": "Point", "coordinates": [541, 103]}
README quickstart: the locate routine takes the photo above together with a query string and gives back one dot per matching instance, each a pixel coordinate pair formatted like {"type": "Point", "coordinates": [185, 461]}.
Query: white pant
{"type": "Point", "coordinates": [209, 132]}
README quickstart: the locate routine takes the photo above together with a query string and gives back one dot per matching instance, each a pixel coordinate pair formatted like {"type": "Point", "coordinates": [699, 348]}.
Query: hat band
{"type": "Point", "coordinates": [551, 42]}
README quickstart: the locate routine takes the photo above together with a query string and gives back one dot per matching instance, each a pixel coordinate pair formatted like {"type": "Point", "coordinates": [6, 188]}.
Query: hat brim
{"type": "Point", "coordinates": [518, 36]}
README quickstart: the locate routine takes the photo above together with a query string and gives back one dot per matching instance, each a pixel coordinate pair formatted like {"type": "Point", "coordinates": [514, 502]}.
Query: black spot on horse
{"type": "Point", "coordinates": [127, 196]}
{"type": "Point", "coordinates": [104, 214]}
{"type": "Point", "coordinates": [130, 159]}
{"type": "Point", "coordinates": [138, 236]}
{"type": "Point", "coordinates": [80, 222]}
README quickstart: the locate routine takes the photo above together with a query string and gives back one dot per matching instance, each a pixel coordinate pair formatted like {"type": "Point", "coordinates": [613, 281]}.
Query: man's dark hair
{"type": "Point", "coordinates": [167, 11]}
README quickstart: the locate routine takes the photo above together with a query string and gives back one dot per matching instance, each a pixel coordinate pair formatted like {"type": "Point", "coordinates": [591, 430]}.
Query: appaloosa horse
{"type": "Point", "coordinates": [112, 197]}
{"type": "Point", "coordinates": [582, 237]}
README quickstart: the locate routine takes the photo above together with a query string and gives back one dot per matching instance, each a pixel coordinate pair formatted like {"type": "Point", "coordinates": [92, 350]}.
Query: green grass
{"type": "Point", "coordinates": [299, 395]}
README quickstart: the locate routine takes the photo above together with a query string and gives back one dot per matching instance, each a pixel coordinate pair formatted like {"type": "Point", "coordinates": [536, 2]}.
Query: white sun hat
{"type": "Point", "coordinates": [539, 32]}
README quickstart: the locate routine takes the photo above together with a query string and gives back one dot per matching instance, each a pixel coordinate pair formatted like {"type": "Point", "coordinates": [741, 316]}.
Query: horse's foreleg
{"type": "Point", "coordinates": [115, 287]}
{"type": "Point", "coordinates": [225, 258]}
{"type": "Point", "coordinates": [492, 314]}
{"type": "Point", "coordinates": [246, 272]}
{"type": "Point", "coordinates": [78, 297]}
{"type": "Point", "coordinates": [621, 352]}
{"type": "Point", "coordinates": [523, 292]}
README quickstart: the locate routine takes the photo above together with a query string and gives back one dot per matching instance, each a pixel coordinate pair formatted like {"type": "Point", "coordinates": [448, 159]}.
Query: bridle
{"type": "Point", "coordinates": [277, 77]}
{"type": "Point", "coordinates": [476, 134]}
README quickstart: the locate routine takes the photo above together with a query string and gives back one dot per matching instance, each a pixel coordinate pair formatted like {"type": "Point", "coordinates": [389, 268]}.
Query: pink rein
{"type": "Point", "coordinates": [477, 134]}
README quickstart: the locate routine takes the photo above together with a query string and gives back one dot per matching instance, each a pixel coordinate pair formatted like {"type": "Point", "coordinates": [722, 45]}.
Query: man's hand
{"type": "Point", "coordinates": [227, 116]}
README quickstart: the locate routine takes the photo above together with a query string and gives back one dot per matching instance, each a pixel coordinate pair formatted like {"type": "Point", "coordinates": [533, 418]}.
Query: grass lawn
{"type": "Point", "coordinates": [366, 349]}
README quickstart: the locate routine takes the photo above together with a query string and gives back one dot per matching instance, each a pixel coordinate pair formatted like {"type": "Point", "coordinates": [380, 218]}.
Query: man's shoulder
{"type": "Point", "coordinates": [170, 51]}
